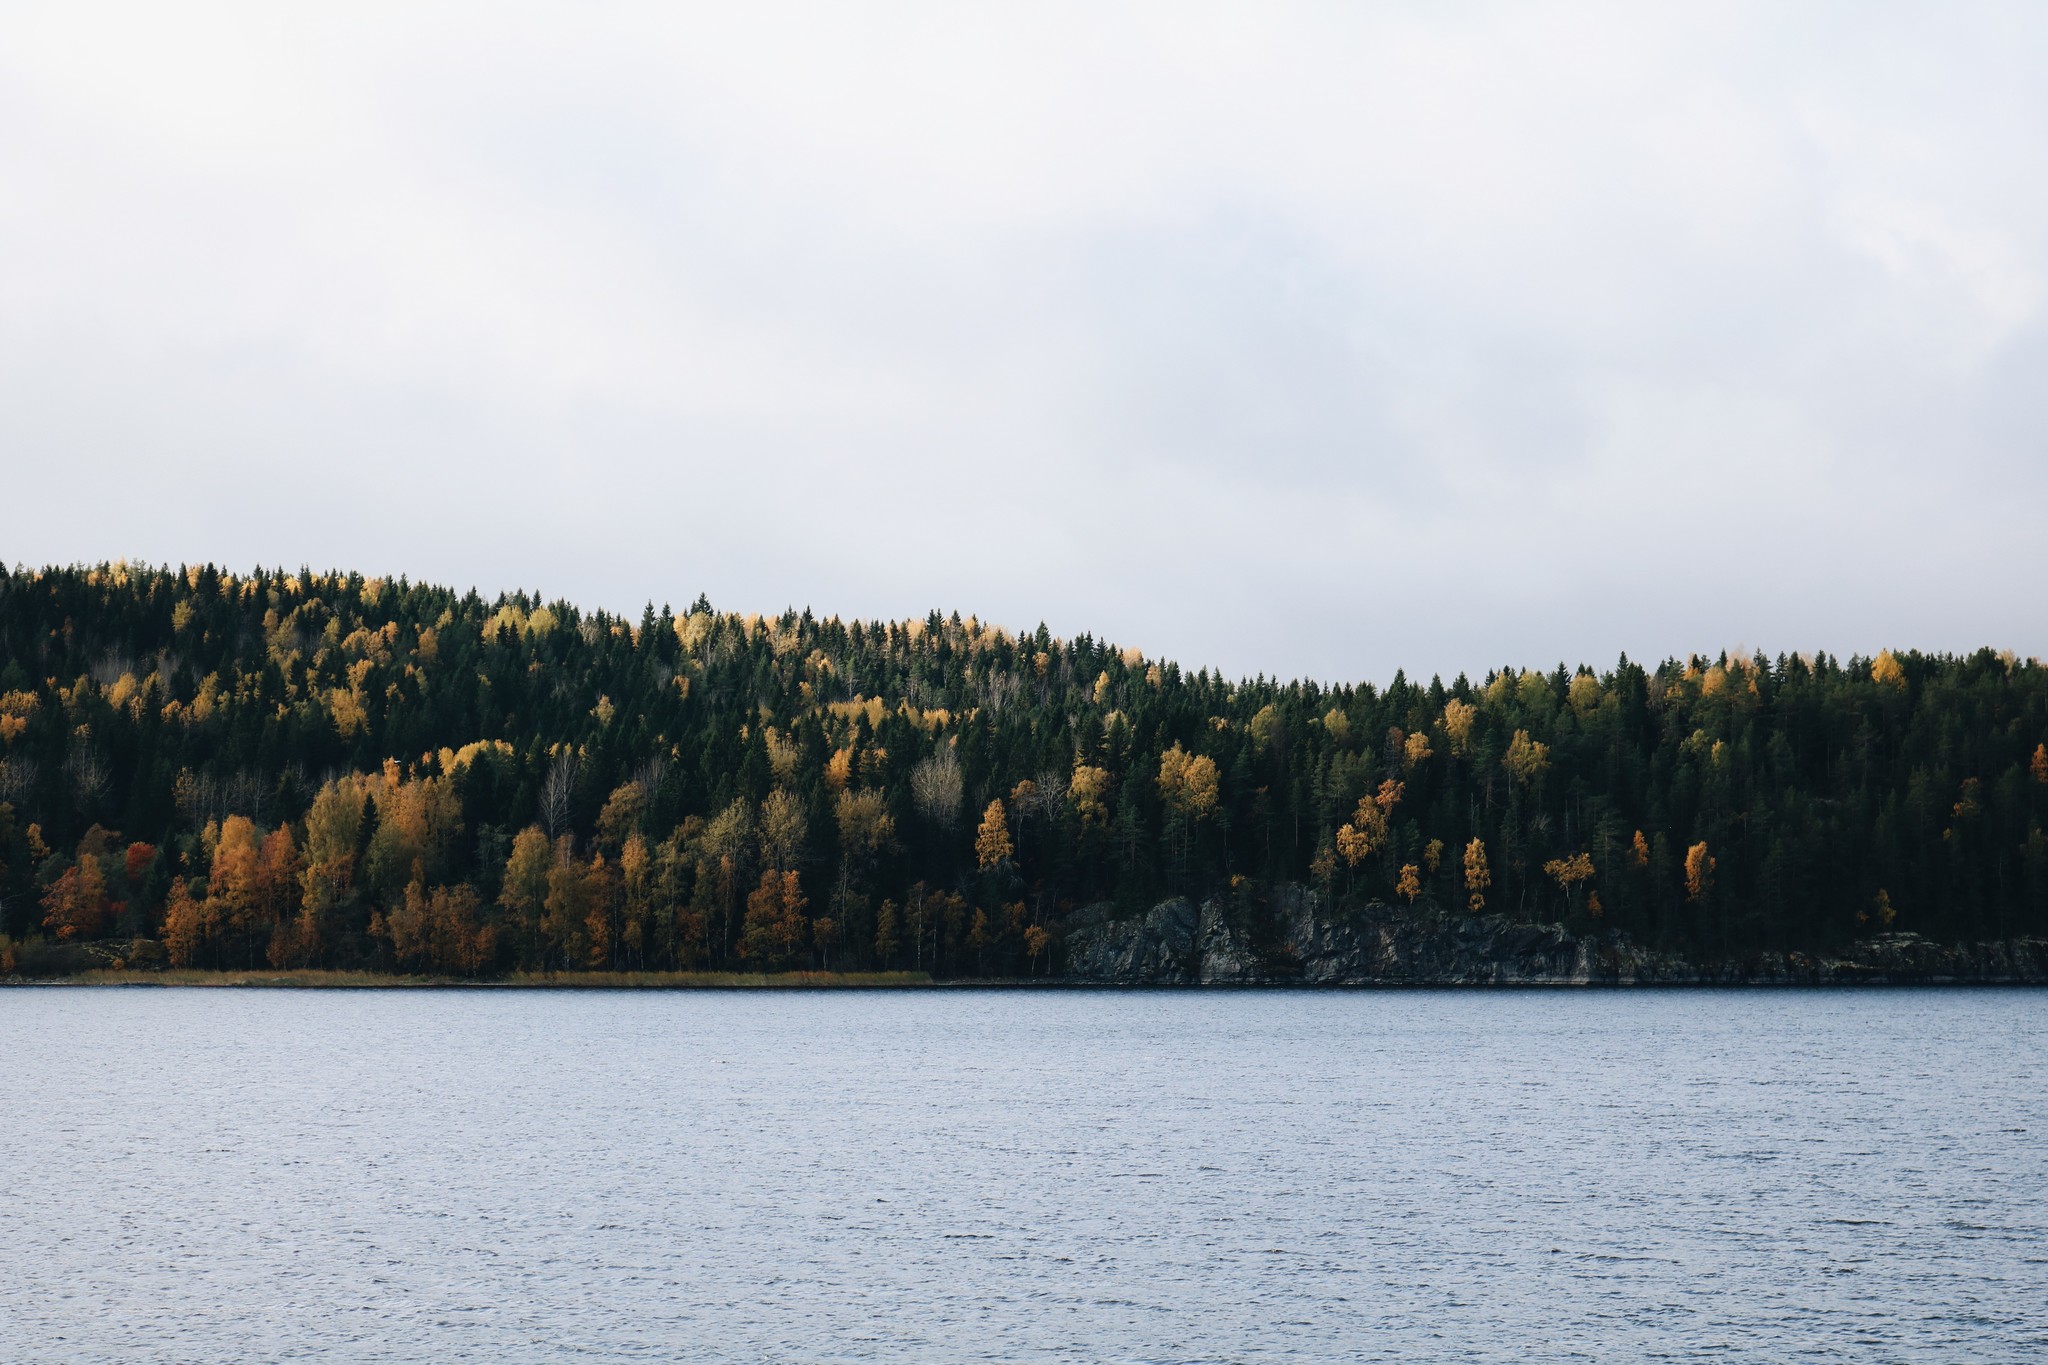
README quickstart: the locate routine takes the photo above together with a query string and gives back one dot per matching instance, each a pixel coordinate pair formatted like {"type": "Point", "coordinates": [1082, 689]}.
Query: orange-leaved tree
{"type": "Point", "coordinates": [80, 904]}
{"type": "Point", "coordinates": [773, 933]}
{"type": "Point", "coordinates": [1699, 871]}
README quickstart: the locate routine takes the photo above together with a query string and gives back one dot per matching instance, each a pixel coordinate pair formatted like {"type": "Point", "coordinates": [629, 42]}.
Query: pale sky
{"type": "Point", "coordinates": [1306, 340]}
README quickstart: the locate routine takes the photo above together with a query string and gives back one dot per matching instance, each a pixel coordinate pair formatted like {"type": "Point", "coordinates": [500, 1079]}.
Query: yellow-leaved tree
{"type": "Point", "coordinates": [1266, 727]}
{"type": "Point", "coordinates": [1458, 717]}
{"type": "Point", "coordinates": [1409, 883]}
{"type": "Point", "coordinates": [622, 815]}
{"type": "Point", "coordinates": [1569, 873]}
{"type": "Point", "coordinates": [1584, 693]}
{"type": "Point", "coordinates": [1477, 875]}
{"type": "Point", "coordinates": [327, 877]}
{"type": "Point", "coordinates": [234, 896]}
{"type": "Point", "coordinates": [565, 911]}
{"type": "Point", "coordinates": [992, 848]}
{"type": "Point", "coordinates": [1361, 836]}
{"type": "Point", "coordinates": [524, 890]}
{"type": "Point", "coordinates": [1526, 758]}
{"type": "Point", "coordinates": [783, 827]}
{"type": "Point", "coordinates": [1088, 792]}
{"type": "Point", "coordinates": [637, 896]}
{"type": "Point", "coordinates": [1366, 831]}
{"type": "Point", "coordinates": [1188, 784]}
{"type": "Point", "coordinates": [865, 826]}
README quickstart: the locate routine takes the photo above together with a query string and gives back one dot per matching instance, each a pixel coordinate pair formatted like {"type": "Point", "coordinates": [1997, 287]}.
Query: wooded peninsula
{"type": "Point", "coordinates": [326, 772]}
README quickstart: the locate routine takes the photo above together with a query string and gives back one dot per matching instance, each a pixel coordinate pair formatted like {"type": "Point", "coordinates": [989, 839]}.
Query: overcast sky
{"type": "Point", "coordinates": [1313, 340]}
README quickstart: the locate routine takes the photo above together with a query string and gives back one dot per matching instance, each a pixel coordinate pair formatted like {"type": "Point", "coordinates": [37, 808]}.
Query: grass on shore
{"type": "Point", "coordinates": [332, 980]}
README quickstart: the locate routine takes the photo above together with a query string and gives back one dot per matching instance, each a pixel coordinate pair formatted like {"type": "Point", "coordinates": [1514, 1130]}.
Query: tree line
{"type": "Point", "coordinates": [321, 769]}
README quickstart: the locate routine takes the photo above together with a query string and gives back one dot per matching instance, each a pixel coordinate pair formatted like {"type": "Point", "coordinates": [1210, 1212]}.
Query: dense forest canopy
{"type": "Point", "coordinates": [304, 769]}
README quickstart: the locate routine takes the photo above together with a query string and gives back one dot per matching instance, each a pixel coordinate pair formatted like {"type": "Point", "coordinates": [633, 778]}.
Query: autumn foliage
{"type": "Point", "coordinates": [992, 847]}
{"type": "Point", "coordinates": [1478, 875]}
{"type": "Point", "coordinates": [300, 769]}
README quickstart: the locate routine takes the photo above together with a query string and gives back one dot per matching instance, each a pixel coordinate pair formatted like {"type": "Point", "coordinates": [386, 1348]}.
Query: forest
{"type": "Point", "coordinates": [320, 770]}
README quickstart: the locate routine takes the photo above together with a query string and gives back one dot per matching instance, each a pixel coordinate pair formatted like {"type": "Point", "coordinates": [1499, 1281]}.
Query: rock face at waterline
{"type": "Point", "coordinates": [1294, 940]}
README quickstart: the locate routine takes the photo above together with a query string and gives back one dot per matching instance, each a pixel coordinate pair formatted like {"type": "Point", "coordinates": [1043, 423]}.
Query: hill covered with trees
{"type": "Point", "coordinates": [323, 770]}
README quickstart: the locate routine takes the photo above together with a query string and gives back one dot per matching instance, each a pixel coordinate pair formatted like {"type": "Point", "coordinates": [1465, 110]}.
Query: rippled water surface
{"type": "Point", "coordinates": [493, 1175]}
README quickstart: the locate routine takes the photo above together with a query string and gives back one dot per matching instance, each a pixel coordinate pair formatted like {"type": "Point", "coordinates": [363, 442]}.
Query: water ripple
{"type": "Point", "coordinates": [1151, 1177]}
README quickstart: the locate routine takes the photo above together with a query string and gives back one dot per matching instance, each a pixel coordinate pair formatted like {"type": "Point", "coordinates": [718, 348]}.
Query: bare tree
{"type": "Point", "coordinates": [17, 779]}
{"type": "Point", "coordinates": [111, 666]}
{"type": "Point", "coordinates": [1049, 794]}
{"type": "Point", "coordinates": [650, 774]}
{"type": "Point", "coordinates": [243, 794]}
{"type": "Point", "coordinates": [89, 773]}
{"type": "Point", "coordinates": [555, 793]}
{"type": "Point", "coordinates": [1002, 689]}
{"type": "Point", "coordinates": [195, 796]}
{"type": "Point", "coordinates": [936, 786]}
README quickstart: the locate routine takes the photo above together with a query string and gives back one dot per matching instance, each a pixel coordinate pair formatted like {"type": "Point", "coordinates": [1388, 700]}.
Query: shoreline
{"type": "Point", "coordinates": [319, 979]}
{"type": "Point", "coordinates": [198, 979]}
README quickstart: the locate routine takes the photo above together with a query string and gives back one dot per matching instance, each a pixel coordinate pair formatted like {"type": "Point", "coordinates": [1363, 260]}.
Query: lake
{"type": "Point", "coordinates": [498, 1175]}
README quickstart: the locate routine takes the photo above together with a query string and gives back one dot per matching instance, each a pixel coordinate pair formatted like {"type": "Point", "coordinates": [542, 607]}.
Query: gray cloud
{"type": "Point", "coordinates": [1285, 339]}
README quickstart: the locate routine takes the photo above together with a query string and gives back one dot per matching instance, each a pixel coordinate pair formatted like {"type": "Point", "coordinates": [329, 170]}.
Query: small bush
{"type": "Point", "coordinates": [38, 957]}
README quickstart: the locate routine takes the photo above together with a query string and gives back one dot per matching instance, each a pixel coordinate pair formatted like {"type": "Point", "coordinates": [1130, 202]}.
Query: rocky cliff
{"type": "Point", "coordinates": [1292, 939]}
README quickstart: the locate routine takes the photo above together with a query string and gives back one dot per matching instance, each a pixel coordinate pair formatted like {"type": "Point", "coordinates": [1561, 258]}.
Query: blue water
{"type": "Point", "coordinates": [211, 1175]}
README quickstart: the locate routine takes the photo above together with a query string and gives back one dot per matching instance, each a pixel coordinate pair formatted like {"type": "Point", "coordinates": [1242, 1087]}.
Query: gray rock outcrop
{"type": "Point", "coordinates": [1292, 939]}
